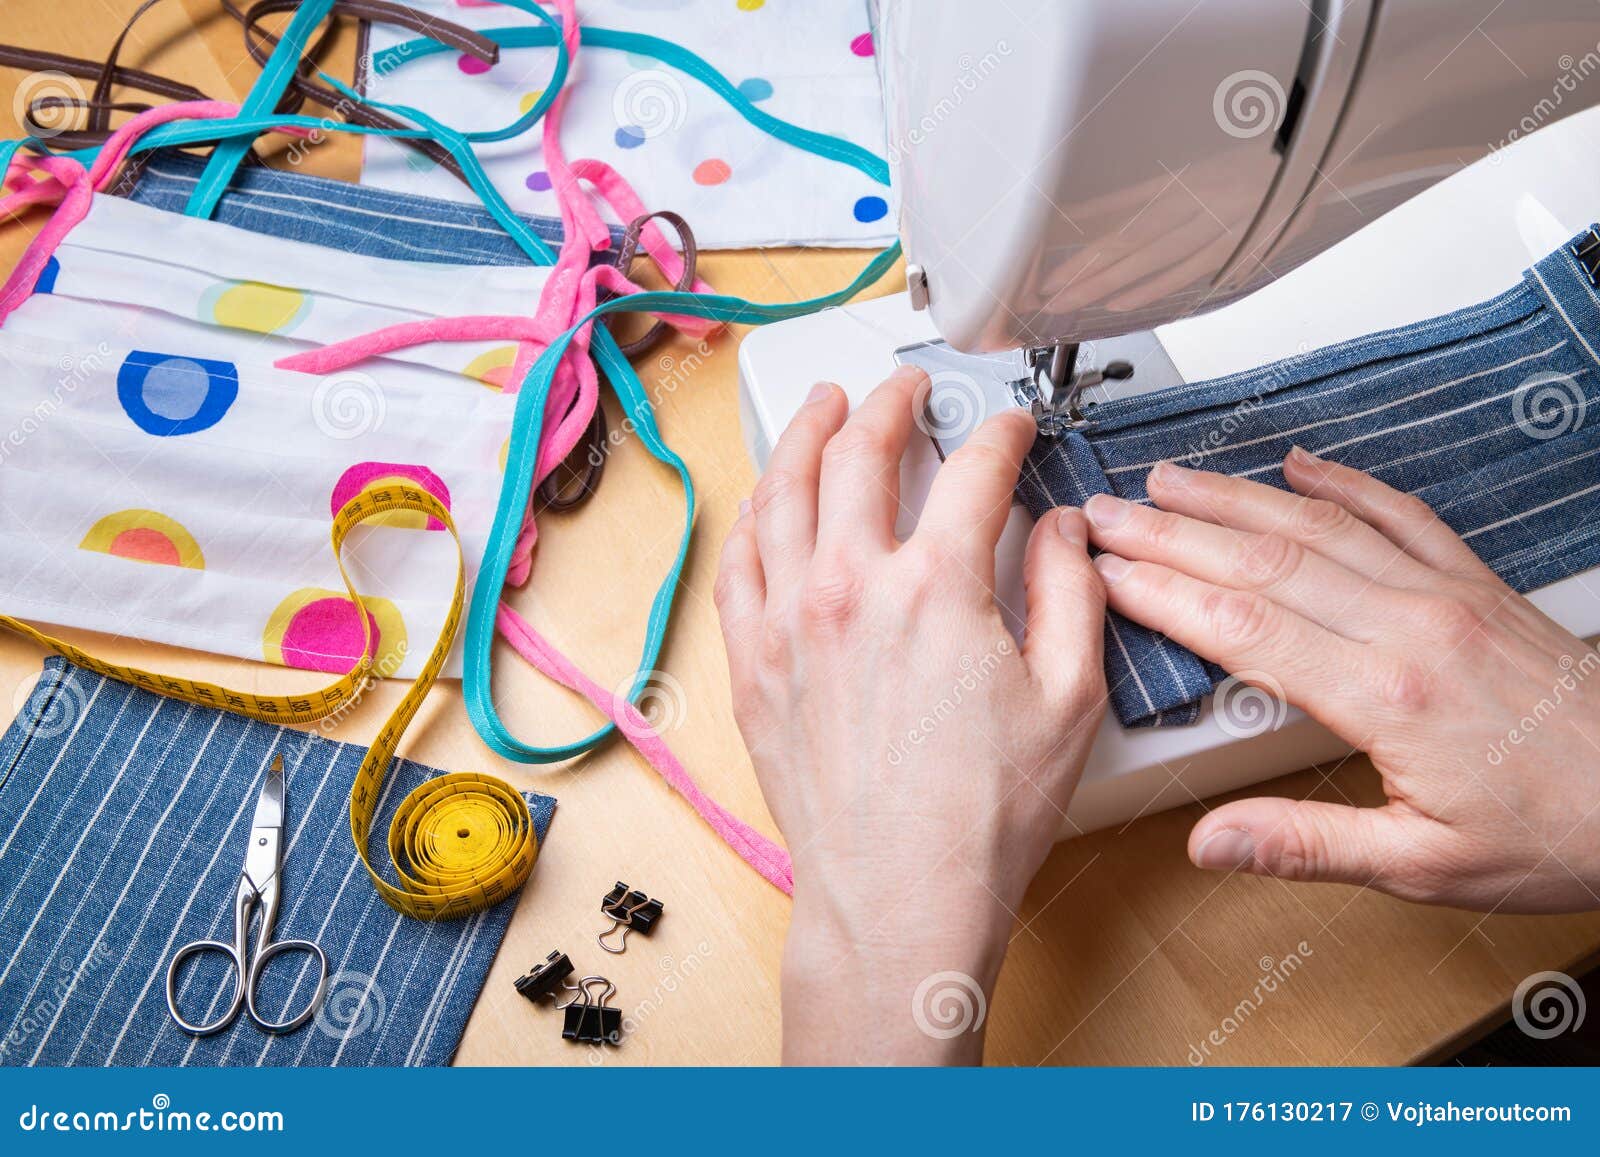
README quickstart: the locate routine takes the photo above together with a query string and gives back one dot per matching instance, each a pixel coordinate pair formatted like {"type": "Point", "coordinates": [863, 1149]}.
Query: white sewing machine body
{"type": "Point", "coordinates": [1080, 173]}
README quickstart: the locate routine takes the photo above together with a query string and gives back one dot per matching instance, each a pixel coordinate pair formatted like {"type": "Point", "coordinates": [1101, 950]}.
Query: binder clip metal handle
{"type": "Point", "coordinates": [629, 910]}
{"type": "Point", "coordinates": [593, 1021]}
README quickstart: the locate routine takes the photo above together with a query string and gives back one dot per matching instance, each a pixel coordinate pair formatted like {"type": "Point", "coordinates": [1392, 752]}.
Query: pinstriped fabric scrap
{"type": "Point", "coordinates": [122, 821]}
{"type": "Point", "coordinates": [1490, 414]}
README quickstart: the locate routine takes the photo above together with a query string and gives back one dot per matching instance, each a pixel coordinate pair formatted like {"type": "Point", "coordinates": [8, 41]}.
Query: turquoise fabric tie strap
{"type": "Point", "coordinates": [256, 117]}
{"type": "Point", "coordinates": [263, 98]}
{"type": "Point", "coordinates": [522, 456]}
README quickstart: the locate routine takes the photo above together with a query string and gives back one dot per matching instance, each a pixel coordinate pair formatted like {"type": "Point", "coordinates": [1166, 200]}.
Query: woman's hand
{"type": "Point", "coordinates": [918, 761]}
{"type": "Point", "coordinates": [1359, 605]}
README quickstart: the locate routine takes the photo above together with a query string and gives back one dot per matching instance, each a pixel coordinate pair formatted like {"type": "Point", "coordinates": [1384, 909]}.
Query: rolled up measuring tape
{"type": "Point", "coordinates": [459, 842]}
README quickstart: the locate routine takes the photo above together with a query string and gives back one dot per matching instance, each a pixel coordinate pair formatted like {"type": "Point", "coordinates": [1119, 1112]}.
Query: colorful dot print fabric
{"type": "Point", "coordinates": [164, 481]}
{"type": "Point", "coordinates": [682, 147]}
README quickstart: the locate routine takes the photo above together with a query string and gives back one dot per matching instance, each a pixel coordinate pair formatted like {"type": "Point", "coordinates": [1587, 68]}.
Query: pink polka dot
{"type": "Point", "coordinates": [326, 636]}
{"type": "Point", "coordinates": [145, 545]}
{"type": "Point", "coordinates": [712, 172]}
{"type": "Point", "coordinates": [862, 45]}
{"type": "Point", "coordinates": [472, 66]}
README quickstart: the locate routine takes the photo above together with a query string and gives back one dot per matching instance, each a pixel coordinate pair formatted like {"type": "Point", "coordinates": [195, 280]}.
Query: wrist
{"type": "Point", "coordinates": [904, 979]}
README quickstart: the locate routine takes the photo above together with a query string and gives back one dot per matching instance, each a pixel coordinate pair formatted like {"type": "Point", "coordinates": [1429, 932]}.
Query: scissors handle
{"type": "Point", "coordinates": [195, 948]}
{"type": "Point", "coordinates": [266, 953]}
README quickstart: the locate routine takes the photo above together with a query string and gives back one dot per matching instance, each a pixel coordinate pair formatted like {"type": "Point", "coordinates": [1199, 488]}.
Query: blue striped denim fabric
{"type": "Point", "coordinates": [123, 817]}
{"type": "Point", "coordinates": [339, 215]}
{"type": "Point", "coordinates": [1481, 413]}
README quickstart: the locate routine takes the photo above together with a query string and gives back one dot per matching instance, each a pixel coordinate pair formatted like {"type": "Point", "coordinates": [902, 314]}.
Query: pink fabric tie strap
{"type": "Point", "coordinates": [756, 849]}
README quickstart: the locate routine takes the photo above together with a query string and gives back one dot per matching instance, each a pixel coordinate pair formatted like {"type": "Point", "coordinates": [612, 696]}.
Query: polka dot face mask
{"type": "Point", "coordinates": [163, 481]}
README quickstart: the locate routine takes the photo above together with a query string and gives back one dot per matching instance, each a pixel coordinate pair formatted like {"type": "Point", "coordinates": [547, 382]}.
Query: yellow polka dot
{"type": "Point", "coordinates": [256, 306]}
{"type": "Point", "coordinates": [493, 368]}
{"type": "Point", "coordinates": [750, 5]}
{"type": "Point", "coordinates": [529, 99]}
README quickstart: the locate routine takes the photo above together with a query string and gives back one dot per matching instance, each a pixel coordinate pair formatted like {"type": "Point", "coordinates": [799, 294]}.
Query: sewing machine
{"type": "Point", "coordinates": [1107, 198]}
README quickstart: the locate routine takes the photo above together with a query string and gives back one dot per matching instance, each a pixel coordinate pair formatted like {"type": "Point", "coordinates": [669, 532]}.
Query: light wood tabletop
{"type": "Point", "coordinates": [1122, 954]}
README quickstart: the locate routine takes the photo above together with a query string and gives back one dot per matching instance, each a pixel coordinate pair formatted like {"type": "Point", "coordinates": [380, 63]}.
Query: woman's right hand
{"type": "Point", "coordinates": [1358, 604]}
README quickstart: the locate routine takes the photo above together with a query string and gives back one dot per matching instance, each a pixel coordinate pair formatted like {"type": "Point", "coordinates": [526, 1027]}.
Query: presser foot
{"type": "Point", "coordinates": [1055, 382]}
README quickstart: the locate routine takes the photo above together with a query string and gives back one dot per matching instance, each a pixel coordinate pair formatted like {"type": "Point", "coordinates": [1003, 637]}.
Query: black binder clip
{"type": "Point", "coordinates": [592, 1021]}
{"type": "Point", "coordinates": [630, 910]}
{"type": "Point", "coordinates": [546, 978]}
{"type": "Point", "coordinates": [1587, 250]}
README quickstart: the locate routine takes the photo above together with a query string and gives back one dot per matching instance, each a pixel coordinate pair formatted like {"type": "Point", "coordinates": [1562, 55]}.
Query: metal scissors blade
{"type": "Point", "coordinates": [265, 854]}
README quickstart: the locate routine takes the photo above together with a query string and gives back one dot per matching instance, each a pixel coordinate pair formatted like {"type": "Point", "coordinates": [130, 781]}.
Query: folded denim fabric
{"type": "Point", "coordinates": [343, 216]}
{"type": "Point", "coordinates": [1481, 413]}
{"type": "Point", "coordinates": [123, 820]}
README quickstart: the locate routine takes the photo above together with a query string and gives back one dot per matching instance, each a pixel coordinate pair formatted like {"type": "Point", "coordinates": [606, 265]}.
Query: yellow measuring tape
{"type": "Point", "coordinates": [460, 842]}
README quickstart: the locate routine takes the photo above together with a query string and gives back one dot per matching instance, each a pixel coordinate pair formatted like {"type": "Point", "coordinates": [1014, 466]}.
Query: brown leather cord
{"type": "Point", "coordinates": [561, 495]}
{"type": "Point", "coordinates": [629, 249]}
{"type": "Point", "coordinates": [259, 43]}
{"type": "Point", "coordinates": [555, 496]}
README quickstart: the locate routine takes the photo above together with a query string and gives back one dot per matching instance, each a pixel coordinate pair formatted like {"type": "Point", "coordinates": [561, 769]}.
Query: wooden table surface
{"type": "Point", "coordinates": [1123, 953]}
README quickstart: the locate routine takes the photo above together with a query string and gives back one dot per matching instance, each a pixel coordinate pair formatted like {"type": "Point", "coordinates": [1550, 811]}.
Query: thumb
{"type": "Point", "coordinates": [1066, 605]}
{"type": "Point", "coordinates": [1303, 840]}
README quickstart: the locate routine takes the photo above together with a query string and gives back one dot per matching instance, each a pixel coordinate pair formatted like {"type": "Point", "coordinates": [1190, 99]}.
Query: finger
{"type": "Point", "coordinates": [1327, 527]}
{"type": "Point", "coordinates": [1281, 569]}
{"type": "Point", "coordinates": [1406, 521]}
{"type": "Point", "coordinates": [740, 595]}
{"type": "Point", "coordinates": [785, 499]}
{"type": "Point", "coordinates": [1247, 633]}
{"type": "Point", "coordinates": [1309, 841]}
{"type": "Point", "coordinates": [1066, 609]}
{"type": "Point", "coordinates": [970, 498]}
{"type": "Point", "coordinates": [860, 492]}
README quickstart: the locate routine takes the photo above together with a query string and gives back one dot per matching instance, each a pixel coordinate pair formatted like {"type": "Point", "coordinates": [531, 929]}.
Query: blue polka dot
{"type": "Point", "coordinates": [539, 182]}
{"type": "Point", "coordinates": [755, 89]}
{"type": "Point", "coordinates": [871, 209]}
{"type": "Point", "coordinates": [630, 137]}
{"type": "Point", "coordinates": [167, 395]}
{"type": "Point", "coordinates": [47, 276]}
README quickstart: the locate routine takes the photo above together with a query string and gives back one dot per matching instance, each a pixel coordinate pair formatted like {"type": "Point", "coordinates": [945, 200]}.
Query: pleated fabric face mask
{"type": "Point", "coordinates": [162, 480]}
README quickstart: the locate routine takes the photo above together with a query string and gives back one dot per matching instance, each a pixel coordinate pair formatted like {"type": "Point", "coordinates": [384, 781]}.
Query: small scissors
{"type": "Point", "coordinates": [258, 886]}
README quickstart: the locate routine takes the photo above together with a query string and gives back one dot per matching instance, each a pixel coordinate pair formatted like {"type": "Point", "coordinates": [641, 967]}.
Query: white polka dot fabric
{"type": "Point", "coordinates": [681, 145]}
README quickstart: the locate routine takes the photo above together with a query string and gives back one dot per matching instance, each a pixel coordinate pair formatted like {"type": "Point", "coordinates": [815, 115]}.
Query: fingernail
{"type": "Point", "coordinates": [1303, 455]}
{"type": "Point", "coordinates": [818, 392]}
{"type": "Point", "coordinates": [744, 508]}
{"type": "Point", "coordinates": [1106, 511]}
{"type": "Point", "coordinates": [1112, 569]}
{"type": "Point", "coordinates": [1226, 849]}
{"type": "Point", "coordinates": [1168, 474]}
{"type": "Point", "coordinates": [1070, 525]}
